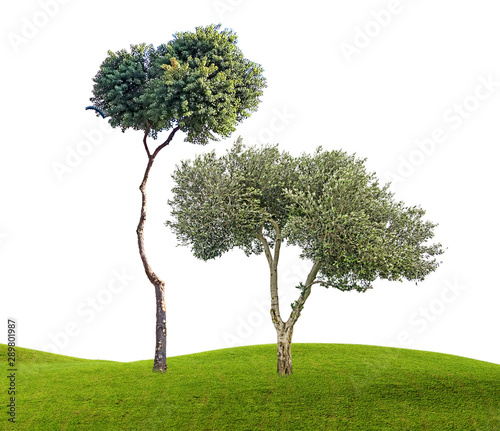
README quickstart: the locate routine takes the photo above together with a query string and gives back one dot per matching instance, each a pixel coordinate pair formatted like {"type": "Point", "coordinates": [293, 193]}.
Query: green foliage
{"type": "Point", "coordinates": [219, 203]}
{"type": "Point", "coordinates": [199, 81]}
{"type": "Point", "coordinates": [344, 218]}
{"type": "Point", "coordinates": [325, 203]}
{"type": "Point", "coordinates": [214, 209]}
{"type": "Point", "coordinates": [337, 387]}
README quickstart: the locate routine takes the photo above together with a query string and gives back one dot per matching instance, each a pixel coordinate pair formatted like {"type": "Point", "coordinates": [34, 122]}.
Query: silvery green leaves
{"type": "Point", "coordinates": [213, 210]}
{"type": "Point", "coordinates": [325, 203]}
{"type": "Point", "coordinates": [199, 81]}
{"type": "Point", "coordinates": [352, 225]}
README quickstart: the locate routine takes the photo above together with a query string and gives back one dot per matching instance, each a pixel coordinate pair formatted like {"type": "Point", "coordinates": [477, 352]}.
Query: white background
{"type": "Point", "coordinates": [369, 77]}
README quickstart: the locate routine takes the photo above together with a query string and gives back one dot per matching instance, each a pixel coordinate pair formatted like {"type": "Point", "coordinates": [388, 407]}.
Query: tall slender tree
{"type": "Point", "coordinates": [347, 225]}
{"type": "Point", "coordinates": [200, 84]}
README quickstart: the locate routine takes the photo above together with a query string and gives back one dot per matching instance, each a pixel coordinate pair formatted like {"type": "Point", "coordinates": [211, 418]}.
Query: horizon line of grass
{"type": "Point", "coordinates": [389, 349]}
{"type": "Point", "coordinates": [333, 387]}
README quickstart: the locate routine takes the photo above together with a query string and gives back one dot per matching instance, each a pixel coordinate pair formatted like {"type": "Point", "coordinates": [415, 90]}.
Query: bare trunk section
{"type": "Point", "coordinates": [160, 361]}
{"type": "Point", "coordinates": [160, 358]}
{"type": "Point", "coordinates": [284, 351]}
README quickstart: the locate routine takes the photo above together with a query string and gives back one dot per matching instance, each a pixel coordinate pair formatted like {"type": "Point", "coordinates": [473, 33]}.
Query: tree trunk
{"type": "Point", "coordinates": [160, 362]}
{"type": "Point", "coordinates": [284, 330]}
{"type": "Point", "coordinates": [284, 351]}
{"type": "Point", "coordinates": [160, 359]}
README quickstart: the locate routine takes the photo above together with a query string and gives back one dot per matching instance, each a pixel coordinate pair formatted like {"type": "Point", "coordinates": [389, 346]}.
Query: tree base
{"type": "Point", "coordinates": [159, 369]}
{"type": "Point", "coordinates": [284, 350]}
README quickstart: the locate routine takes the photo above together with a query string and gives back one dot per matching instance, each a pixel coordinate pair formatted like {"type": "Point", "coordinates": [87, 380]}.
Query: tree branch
{"type": "Point", "coordinates": [146, 133]}
{"type": "Point", "coordinates": [172, 133]}
{"type": "Point", "coordinates": [318, 281]}
{"type": "Point", "coordinates": [273, 279]}
{"type": "Point", "coordinates": [299, 304]}
{"type": "Point", "coordinates": [267, 249]}
{"type": "Point", "coordinates": [277, 245]}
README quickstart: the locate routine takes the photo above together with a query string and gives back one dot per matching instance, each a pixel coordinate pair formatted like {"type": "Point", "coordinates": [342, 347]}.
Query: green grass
{"type": "Point", "coordinates": [334, 387]}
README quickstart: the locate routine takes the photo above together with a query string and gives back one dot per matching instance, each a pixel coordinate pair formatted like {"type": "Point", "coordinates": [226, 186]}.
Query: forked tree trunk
{"type": "Point", "coordinates": [160, 359]}
{"type": "Point", "coordinates": [284, 330]}
{"type": "Point", "coordinates": [284, 350]}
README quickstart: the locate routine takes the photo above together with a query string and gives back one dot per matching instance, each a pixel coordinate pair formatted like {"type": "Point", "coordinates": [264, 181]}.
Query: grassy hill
{"type": "Point", "coordinates": [334, 387]}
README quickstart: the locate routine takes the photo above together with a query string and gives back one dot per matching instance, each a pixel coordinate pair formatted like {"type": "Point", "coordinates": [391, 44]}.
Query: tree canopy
{"type": "Point", "coordinates": [199, 81]}
{"type": "Point", "coordinates": [325, 203]}
{"type": "Point", "coordinates": [346, 223]}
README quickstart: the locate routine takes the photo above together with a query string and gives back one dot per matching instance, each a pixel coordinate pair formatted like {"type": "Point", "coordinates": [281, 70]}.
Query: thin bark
{"type": "Point", "coordinates": [267, 250]}
{"type": "Point", "coordinates": [273, 285]}
{"type": "Point", "coordinates": [299, 305]}
{"type": "Point", "coordinates": [148, 128]}
{"type": "Point", "coordinates": [277, 246]}
{"type": "Point", "coordinates": [160, 358]}
{"type": "Point", "coordinates": [167, 141]}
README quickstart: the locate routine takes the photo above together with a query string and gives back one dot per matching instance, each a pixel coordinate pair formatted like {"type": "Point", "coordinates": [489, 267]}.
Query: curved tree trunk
{"type": "Point", "coordinates": [160, 358]}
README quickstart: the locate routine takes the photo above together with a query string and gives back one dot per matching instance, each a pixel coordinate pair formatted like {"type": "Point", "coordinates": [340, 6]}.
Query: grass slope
{"type": "Point", "coordinates": [334, 387]}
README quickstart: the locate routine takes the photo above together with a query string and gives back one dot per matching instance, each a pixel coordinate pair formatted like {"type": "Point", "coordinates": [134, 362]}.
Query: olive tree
{"type": "Point", "coordinates": [199, 83]}
{"type": "Point", "coordinates": [347, 225]}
